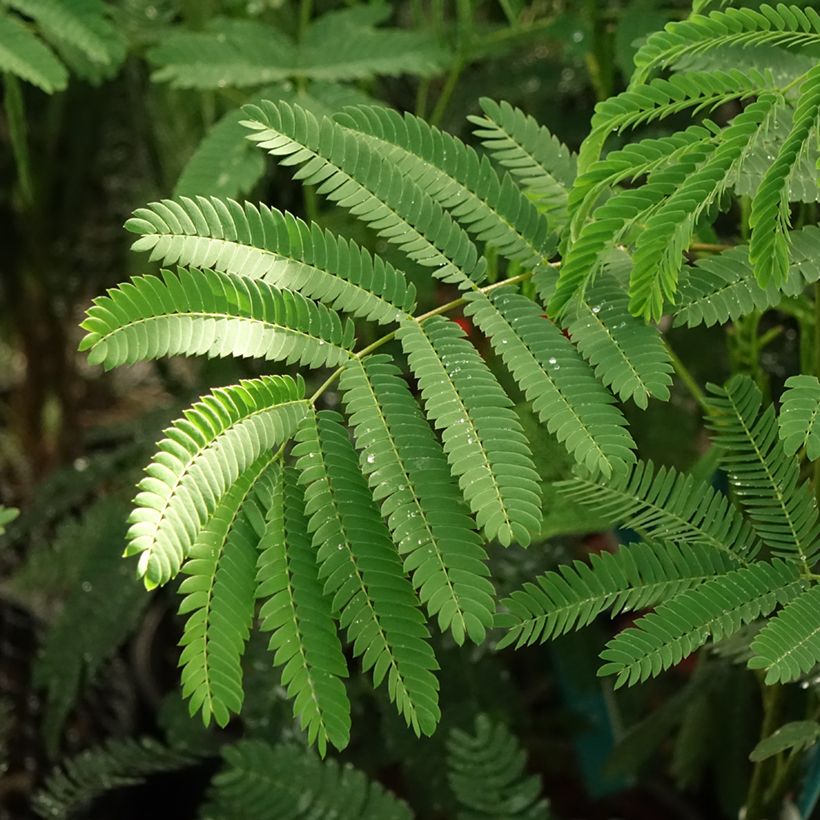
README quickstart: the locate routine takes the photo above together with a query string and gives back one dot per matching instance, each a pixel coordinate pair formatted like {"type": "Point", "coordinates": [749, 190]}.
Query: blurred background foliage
{"type": "Point", "coordinates": [110, 105]}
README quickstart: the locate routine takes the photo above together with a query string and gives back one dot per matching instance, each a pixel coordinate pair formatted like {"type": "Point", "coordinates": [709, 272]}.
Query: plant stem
{"type": "Point", "coordinates": [755, 799]}
{"type": "Point", "coordinates": [817, 373]}
{"type": "Point", "coordinates": [445, 308]}
{"type": "Point", "coordinates": [686, 377]}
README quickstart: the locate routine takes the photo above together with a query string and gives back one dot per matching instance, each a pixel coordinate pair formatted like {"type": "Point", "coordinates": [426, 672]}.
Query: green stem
{"type": "Point", "coordinates": [686, 377]}
{"type": "Point", "coordinates": [817, 373]}
{"type": "Point", "coordinates": [756, 797]}
{"type": "Point", "coordinates": [445, 308]}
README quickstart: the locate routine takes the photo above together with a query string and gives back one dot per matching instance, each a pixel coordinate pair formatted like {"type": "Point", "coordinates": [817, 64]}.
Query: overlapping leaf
{"type": "Point", "coordinates": [362, 571]}
{"type": "Point", "coordinates": [219, 592]}
{"type": "Point", "coordinates": [409, 476]}
{"type": "Point", "coordinates": [635, 577]}
{"type": "Point", "coordinates": [194, 312]}
{"type": "Point", "coordinates": [202, 456]}
{"type": "Point", "coordinates": [276, 248]}
{"type": "Point", "coordinates": [354, 175]}
{"type": "Point", "coordinates": [482, 435]}
{"type": "Point", "coordinates": [296, 612]}
{"type": "Point", "coordinates": [562, 387]}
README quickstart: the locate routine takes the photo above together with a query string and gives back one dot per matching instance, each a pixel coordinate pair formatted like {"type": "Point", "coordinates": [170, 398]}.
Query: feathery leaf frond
{"type": "Point", "coordinates": [542, 164]}
{"type": "Point", "coordinates": [789, 645]}
{"type": "Point", "coordinates": [203, 454]}
{"type": "Point", "coordinates": [296, 612]}
{"type": "Point", "coordinates": [23, 54]}
{"type": "Point", "coordinates": [717, 608]}
{"type": "Point", "coordinates": [769, 216]}
{"type": "Point", "coordinates": [782, 511]}
{"type": "Point", "coordinates": [628, 355]}
{"type": "Point", "coordinates": [788, 26]}
{"type": "Point", "coordinates": [260, 781]}
{"type": "Point", "coordinates": [635, 577]}
{"type": "Point", "coordinates": [88, 775]}
{"type": "Point", "coordinates": [723, 287]}
{"type": "Point", "coordinates": [668, 231]}
{"type": "Point", "coordinates": [561, 385]}
{"type": "Point", "coordinates": [355, 176]}
{"type": "Point", "coordinates": [483, 438]}
{"type": "Point", "coordinates": [489, 206]}
{"type": "Point", "coordinates": [219, 592]}
{"type": "Point", "coordinates": [409, 476]}
{"type": "Point", "coordinates": [487, 775]}
{"type": "Point", "coordinates": [362, 571]}
{"type": "Point", "coordinates": [193, 312]}
{"type": "Point", "coordinates": [667, 506]}
{"type": "Point", "coordinates": [799, 417]}
{"type": "Point", "coordinates": [258, 242]}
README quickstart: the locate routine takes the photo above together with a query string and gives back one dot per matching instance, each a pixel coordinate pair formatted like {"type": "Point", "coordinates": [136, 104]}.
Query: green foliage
{"type": "Point", "coordinates": [782, 511]}
{"type": "Point", "coordinates": [541, 163]}
{"type": "Point", "coordinates": [798, 419]}
{"type": "Point", "coordinates": [102, 608]}
{"type": "Point", "coordinates": [262, 781]}
{"type": "Point", "coordinates": [486, 772]}
{"type": "Point", "coordinates": [229, 432]}
{"type": "Point", "coordinates": [801, 734]}
{"type": "Point", "coordinates": [789, 645]}
{"type": "Point", "coordinates": [278, 249]}
{"type": "Point", "coordinates": [408, 474]}
{"type": "Point", "coordinates": [342, 45]}
{"type": "Point", "coordinates": [482, 436]}
{"type": "Point", "coordinates": [191, 313]}
{"type": "Point", "coordinates": [635, 577]}
{"type": "Point", "coordinates": [716, 609]}
{"type": "Point", "coordinates": [81, 779]}
{"type": "Point", "coordinates": [219, 592]}
{"type": "Point", "coordinates": [298, 615]}
{"type": "Point", "coordinates": [375, 602]}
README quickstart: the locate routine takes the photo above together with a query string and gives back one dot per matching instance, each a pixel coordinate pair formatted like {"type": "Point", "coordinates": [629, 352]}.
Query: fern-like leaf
{"type": "Point", "coordinates": [723, 287]}
{"type": "Point", "coordinates": [194, 312]}
{"type": "Point", "coordinates": [362, 571]}
{"type": "Point", "coordinates": [203, 454]}
{"type": "Point", "coordinates": [799, 417]}
{"type": "Point", "coordinates": [355, 176]}
{"type": "Point", "coordinates": [296, 612]}
{"type": "Point", "coordinates": [409, 476]}
{"type": "Point", "coordinates": [490, 207]}
{"type": "Point", "coordinates": [789, 645]}
{"type": "Point", "coordinates": [635, 577]}
{"type": "Point", "coordinates": [790, 26]}
{"type": "Point", "coordinates": [219, 592]}
{"type": "Point", "coordinates": [610, 220]}
{"type": "Point", "coordinates": [260, 781]}
{"type": "Point", "coordinates": [668, 231]}
{"type": "Point", "coordinates": [717, 608]}
{"type": "Point", "coordinates": [482, 435]}
{"type": "Point", "coordinates": [338, 46]}
{"type": "Point", "coordinates": [26, 56]}
{"type": "Point", "coordinates": [782, 511]}
{"type": "Point", "coordinates": [795, 736]}
{"type": "Point", "coordinates": [562, 387]}
{"type": "Point", "coordinates": [667, 506]}
{"type": "Point", "coordinates": [276, 248]}
{"type": "Point", "coordinates": [487, 775]}
{"type": "Point", "coordinates": [88, 775]}
{"type": "Point", "coordinates": [542, 164]}
{"type": "Point", "coordinates": [769, 216]}
{"type": "Point", "coordinates": [82, 24]}
{"type": "Point", "coordinates": [628, 355]}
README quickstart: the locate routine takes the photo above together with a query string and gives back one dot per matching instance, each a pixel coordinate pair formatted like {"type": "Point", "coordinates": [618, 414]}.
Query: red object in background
{"type": "Point", "coordinates": [464, 323]}
{"type": "Point", "coordinates": [563, 329]}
